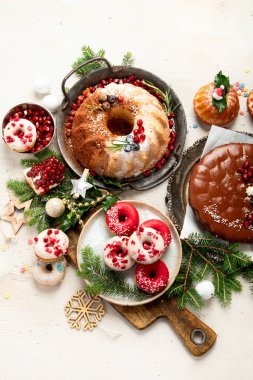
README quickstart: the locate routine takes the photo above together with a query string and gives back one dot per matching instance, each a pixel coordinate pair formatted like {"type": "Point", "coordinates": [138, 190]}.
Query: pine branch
{"type": "Point", "coordinates": [87, 54]}
{"type": "Point", "coordinates": [128, 59]}
{"type": "Point", "coordinates": [104, 281]}
{"type": "Point", "coordinates": [205, 257]}
{"type": "Point", "coordinates": [21, 189]}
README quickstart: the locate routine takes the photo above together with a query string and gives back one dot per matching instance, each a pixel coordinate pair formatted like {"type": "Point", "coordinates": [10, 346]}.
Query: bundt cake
{"type": "Point", "coordinates": [208, 113]}
{"type": "Point", "coordinates": [218, 192]}
{"type": "Point", "coordinates": [120, 131]}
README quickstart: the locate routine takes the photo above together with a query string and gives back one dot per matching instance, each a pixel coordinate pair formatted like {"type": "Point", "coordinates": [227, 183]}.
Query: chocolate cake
{"type": "Point", "coordinates": [217, 192]}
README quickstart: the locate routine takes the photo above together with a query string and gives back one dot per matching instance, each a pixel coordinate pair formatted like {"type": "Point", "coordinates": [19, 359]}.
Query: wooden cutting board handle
{"type": "Point", "coordinates": [196, 335]}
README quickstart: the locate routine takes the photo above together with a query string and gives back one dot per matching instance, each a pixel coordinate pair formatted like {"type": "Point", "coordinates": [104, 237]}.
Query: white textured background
{"type": "Point", "coordinates": [186, 43]}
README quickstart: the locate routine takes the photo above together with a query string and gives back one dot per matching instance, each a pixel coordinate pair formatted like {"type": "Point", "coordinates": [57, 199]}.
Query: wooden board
{"type": "Point", "coordinates": [196, 335]}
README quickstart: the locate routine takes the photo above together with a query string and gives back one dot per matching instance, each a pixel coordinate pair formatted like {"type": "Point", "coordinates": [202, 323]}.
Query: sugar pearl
{"type": "Point", "coordinates": [205, 289]}
{"type": "Point", "coordinates": [42, 85]}
{"type": "Point", "coordinates": [55, 207]}
{"type": "Point", "coordinates": [52, 102]}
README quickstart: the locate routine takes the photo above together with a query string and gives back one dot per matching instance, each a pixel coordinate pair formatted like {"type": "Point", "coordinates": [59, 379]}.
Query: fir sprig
{"type": "Point", "coordinates": [206, 257]}
{"type": "Point", "coordinates": [165, 96]}
{"type": "Point", "coordinates": [88, 53]}
{"type": "Point", "coordinates": [128, 59]}
{"type": "Point", "coordinates": [104, 281]}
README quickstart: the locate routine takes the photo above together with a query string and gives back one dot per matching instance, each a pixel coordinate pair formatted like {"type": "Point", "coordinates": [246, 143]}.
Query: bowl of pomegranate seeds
{"type": "Point", "coordinates": [28, 128]}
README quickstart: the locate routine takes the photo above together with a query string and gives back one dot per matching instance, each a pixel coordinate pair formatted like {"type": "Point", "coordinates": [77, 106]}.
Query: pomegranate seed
{"type": "Point", "coordinates": [139, 122]}
{"type": "Point", "coordinates": [104, 82]}
{"type": "Point", "coordinates": [250, 174]}
{"type": "Point", "coordinates": [110, 80]}
{"type": "Point", "coordinates": [246, 165]}
{"type": "Point", "coordinates": [131, 78]}
{"type": "Point", "coordinates": [250, 217]}
{"type": "Point", "coordinates": [172, 141]}
{"type": "Point", "coordinates": [158, 165]}
{"type": "Point", "coordinates": [142, 138]}
{"type": "Point", "coordinates": [171, 123]}
{"type": "Point", "coordinates": [240, 171]}
{"type": "Point", "coordinates": [116, 81]}
{"type": "Point", "coordinates": [167, 154]}
{"type": "Point", "coordinates": [245, 177]}
{"type": "Point", "coordinates": [120, 99]}
{"type": "Point", "coordinates": [136, 139]}
{"type": "Point", "coordinates": [171, 115]}
{"type": "Point", "coordinates": [147, 173]}
{"type": "Point", "coordinates": [141, 130]}
{"type": "Point", "coordinates": [135, 131]}
{"type": "Point", "coordinates": [171, 147]}
{"type": "Point", "coordinates": [246, 224]}
{"type": "Point", "coordinates": [173, 134]}
{"type": "Point", "coordinates": [137, 82]}
{"type": "Point", "coordinates": [163, 161]}
{"type": "Point", "coordinates": [92, 89]}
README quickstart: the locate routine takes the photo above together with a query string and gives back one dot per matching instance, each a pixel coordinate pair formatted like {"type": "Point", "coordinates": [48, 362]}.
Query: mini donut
{"type": "Point", "coordinates": [160, 227]}
{"type": "Point", "coordinates": [50, 245]}
{"type": "Point", "coordinates": [20, 135]}
{"type": "Point", "coordinates": [116, 254]}
{"type": "Point", "coordinates": [49, 273]}
{"type": "Point", "coordinates": [122, 218]}
{"type": "Point", "coordinates": [146, 245]}
{"type": "Point", "coordinates": [250, 103]}
{"type": "Point", "coordinates": [152, 278]}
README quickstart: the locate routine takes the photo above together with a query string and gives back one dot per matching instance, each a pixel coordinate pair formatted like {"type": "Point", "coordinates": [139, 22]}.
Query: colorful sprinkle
{"type": "Point", "coordinates": [241, 89]}
{"type": "Point", "coordinates": [4, 247]}
{"type": "Point", "coordinates": [194, 126]}
{"type": "Point", "coordinates": [24, 268]}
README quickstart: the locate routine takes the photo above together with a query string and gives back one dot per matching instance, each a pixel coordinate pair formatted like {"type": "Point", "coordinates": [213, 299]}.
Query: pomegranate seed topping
{"type": "Point", "coordinates": [142, 138]}
{"type": "Point", "coordinates": [171, 115]}
{"type": "Point", "coordinates": [136, 139]}
{"type": "Point", "coordinates": [135, 131]}
{"type": "Point", "coordinates": [158, 165]}
{"type": "Point", "coordinates": [92, 89]}
{"type": "Point", "coordinates": [147, 173]}
{"type": "Point", "coordinates": [131, 78]}
{"type": "Point", "coordinates": [246, 165]}
{"type": "Point", "coordinates": [120, 99]}
{"type": "Point", "coordinates": [139, 122]}
{"type": "Point", "coordinates": [116, 81]}
{"type": "Point", "coordinates": [172, 141]}
{"type": "Point", "coordinates": [171, 147]}
{"type": "Point", "coordinates": [167, 154]}
{"type": "Point", "coordinates": [246, 224]}
{"type": "Point", "coordinates": [141, 129]}
{"type": "Point", "coordinates": [240, 171]}
{"type": "Point", "coordinates": [245, 177]}
{"type": "Point", "coordinates": [171, 123]}
{"type": "Point", "coordinates": [250, 217]}
{"type": "Point", "coordinates": [163, 161]}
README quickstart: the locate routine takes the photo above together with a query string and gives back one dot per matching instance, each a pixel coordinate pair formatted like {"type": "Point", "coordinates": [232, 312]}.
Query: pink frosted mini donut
{"type": "Point", "coordinates": [50, 245]}
{"type": "Point", "coordinates": [49, 274]}
{"type": "Point", "coordinates": [146, 245]}
{"type": "Point", "coordinates": [20, 135]}
{"type": "Point", "coordinates": [116, 254]}
{"type": "Point", "coordinates": [152, 278]}
{"type": "Point", "coordinates": [122, 218]}
{"type": "Point", "coordinates": [160, 227]}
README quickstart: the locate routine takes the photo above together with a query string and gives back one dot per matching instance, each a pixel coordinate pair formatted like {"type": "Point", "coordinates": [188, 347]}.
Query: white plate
{"type": "Point", "coordinates": [95, 234]}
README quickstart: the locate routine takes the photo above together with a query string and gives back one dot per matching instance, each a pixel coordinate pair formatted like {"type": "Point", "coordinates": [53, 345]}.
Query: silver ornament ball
{"type": "Point", "coordinates": [205, 289]}
{"type": "Point", "coordinates": [55, 207]}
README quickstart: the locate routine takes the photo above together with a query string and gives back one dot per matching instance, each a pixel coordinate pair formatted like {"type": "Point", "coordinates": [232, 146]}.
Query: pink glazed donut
{"type": "Point", "coordinates": [122, 218]}
{"type": "Point", "coordinates": [116, 254]}
{"type": "Point", "coordinates": [146, 245]}
{"type": "Point", "coordinates": [160, 227]}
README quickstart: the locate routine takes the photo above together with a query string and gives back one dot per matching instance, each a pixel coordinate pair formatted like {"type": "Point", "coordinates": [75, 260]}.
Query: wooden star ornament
{"type": "Point", "coordinates": [10, 217]}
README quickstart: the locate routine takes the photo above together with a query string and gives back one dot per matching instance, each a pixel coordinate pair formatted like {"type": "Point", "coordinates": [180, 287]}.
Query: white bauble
{"type": "Point", "coordinates": [42, 85]}
{"type": "Point", "coordinates": [205, 289]}
{"type": "Point", "coordinates": [52, 102]}
{"type": "Point", "coordinates": [55, 207]}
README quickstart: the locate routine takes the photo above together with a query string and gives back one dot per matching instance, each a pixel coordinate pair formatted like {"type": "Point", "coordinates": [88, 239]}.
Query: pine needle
{"type": "Point", "coordinates": [128, 59]}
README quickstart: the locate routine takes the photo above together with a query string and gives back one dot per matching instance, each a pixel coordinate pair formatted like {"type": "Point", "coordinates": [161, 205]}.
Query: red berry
{"type": "Point", "coordinates": [141, 129]}
{"type": "Point", "coordinates": [147, 173]}
{"type": "Point", "coordinates": [136, 139]}
{"type": "Point", "coordinates": [173, 134]}
{"type": "Point", "coordinates": [246, 165]}
{"type": "Point", "coordinates": [171, 147]}
{"type": "Point", "coordinates": [142, 138]}
{"type": "Point", "coordinates": [171, 123]}
{"type": "Point", "coordinates": [139, 122]}
{"type": "Point", "coordinates": [158, 165]}
{"type": "Point", "coordinates": [172, 141]}
{"type": "Point", "coordinates": [135, 131]}
{"type": "Point", "coordinates": [246, 224]}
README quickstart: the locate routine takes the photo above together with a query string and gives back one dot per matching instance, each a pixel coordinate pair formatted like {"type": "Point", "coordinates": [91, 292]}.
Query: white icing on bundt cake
{"type": "Point", "coordinates": [120, 131]}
